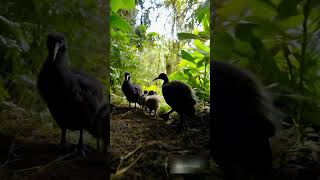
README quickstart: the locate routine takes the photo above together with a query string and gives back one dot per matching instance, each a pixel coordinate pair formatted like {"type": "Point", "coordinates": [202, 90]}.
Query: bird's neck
{"type": "Point", "coordinates": [165, 80]}
{"type": "Point", "coordinates": [61, 59]}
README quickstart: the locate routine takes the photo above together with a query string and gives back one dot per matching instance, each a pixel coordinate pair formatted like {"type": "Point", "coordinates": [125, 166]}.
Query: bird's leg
{"type": "Point", "coordinates": [80, 144]}
{"type": "Point", "coordinates": [63, 136]}
{"type": "Point", "coordinates": [129, 104]}
{"type": "Point", "coordinates": [182, 123]}
{"type": "Point", "coordinates": [166, 116]}
{"type": "Point", "coordinates": [150, 111]}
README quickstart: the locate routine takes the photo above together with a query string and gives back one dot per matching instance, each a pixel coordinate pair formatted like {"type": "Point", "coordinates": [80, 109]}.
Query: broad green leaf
{"type": "Point", "coordinates": [288, 8]}
{"type": "Point", "coordinates": [262, 9]}
{"type": "Point", "coordinates": [243, 48]}
{"type": "Point", "coordinates": [122, 4]}
{"type": "Point", "coordinates": [197, 54]}
{"type": "Point", "coordinates": [201, 46]}
{"type": "Point", "coordinates": [206, 24]}
{"type": "Point", "coordinates": [202, 62]}
{"type": "Point", "coordinates": [232, 8]}
{"type": "Point", "coordinates": [222, 45]}
{"type": "Point", "coordinates": [292, 21]}
{"type": "Point", "coordinates": [129, 4]}
{"type": "Point", "coordinates": [185, 55]}
{"type": "Point", "coordinates": [118, 22]}
{"type": "Point", "coordinates": [183, 36]}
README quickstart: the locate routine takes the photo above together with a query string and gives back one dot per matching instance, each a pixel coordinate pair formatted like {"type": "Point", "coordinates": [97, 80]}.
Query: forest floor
{"type": "Point", "coordinates": [152, 140]}
{"type": "Point", "coordinates": [28, 148]}
{"type": "Point", "coordinates": [146, 143]}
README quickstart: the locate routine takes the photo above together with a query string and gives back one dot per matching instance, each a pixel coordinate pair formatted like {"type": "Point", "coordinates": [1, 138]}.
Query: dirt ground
{"type": "Point", "coordinates": [156, 139]}
{"type": "Point", "coordinates": [140, 148]}
{"type": "Point", "coordinates": [31, 160]}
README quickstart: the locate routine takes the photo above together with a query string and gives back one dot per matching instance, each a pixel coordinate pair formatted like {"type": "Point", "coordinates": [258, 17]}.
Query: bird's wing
{"type": "Point", "coordinates": [177, 93]}
{"type": "Point", "coordinates": [86, 92]}
{"type": "Point", "coordinates": [137, 89]}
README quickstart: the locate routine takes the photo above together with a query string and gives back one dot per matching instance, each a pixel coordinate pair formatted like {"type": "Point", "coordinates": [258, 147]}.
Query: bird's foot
{"type": "Point", "coordinates": [83, 150]}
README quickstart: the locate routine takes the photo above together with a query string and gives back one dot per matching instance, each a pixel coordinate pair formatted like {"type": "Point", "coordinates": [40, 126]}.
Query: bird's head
{"type": "Point", "coordinates": [162, 76]}
{"type": "Point", "coordinates": [55, 43]}
{"type": "Point", "coordinates": [127, 76]}
{"type": "Point", "coordinates": [151, 93]}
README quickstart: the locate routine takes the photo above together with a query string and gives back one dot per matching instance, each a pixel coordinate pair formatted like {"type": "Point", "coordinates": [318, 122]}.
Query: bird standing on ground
{"type": "Point", "coordinates": [153, 102]}
{"type": "Point", "coordinates": [242, 123]}
{"type": "Point", "coordinates": [178, 96]}
{"type": "Point", "coordinates": [74, 98]}
{"type": "Point", "coordinates": [131, 91]}
{"type": "Point", "coordinates": [143, 100]}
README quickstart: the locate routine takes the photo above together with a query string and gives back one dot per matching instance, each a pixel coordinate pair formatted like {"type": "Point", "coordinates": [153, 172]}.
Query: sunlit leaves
{"type": "Point", "coordinates": [117, 22]}
{"type": "Point", "coordinates": [202, 47]}
{"type": "Point", "coordinates": [122, 4]}
{"type": "Point", "coordinates": [185, 55]}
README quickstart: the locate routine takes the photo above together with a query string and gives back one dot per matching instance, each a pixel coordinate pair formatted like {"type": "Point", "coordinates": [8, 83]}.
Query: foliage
{"type": "Point", "coordinates": [24, 26]}
{"type": "Point", "coordinates": [194, 67]}
{"type": "Point", "coordinates": [146, 55]}
{"type": "Point", "coordinates": [275, 40]}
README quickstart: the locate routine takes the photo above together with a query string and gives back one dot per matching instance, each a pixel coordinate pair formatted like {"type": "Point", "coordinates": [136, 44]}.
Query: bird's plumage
{"type": "Point", "coordinates": [131, 91]}
{"type": "Point", "coordinates": [241, 127]}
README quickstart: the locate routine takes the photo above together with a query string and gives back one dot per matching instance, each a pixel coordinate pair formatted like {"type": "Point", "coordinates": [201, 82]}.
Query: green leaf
{"type": "Point", "coordinates": [122, 4]}
{"type": "Point", "coordinates": [262, 9]}
{"type": "Point", "coordinates": [185, 55]}
{"type": "Point", "coordinates": [243, 48]}
{"type": "Point", "coordinates": [201, 46]}
{"type": "Point", "coordinates": [183, 36]}
{"type": "Point", "coordinates": [223, 44]}
{"type": "Point", "coordinates": [118, 22]}
{"type": "Point", "coordinates": [202, 62]}
{"type": "Point", "coordinates": [129, 4]}
{"type": "Point", "coordinates": [287, 8]}
{"type": "Point", "coordinates": [232, 8]}
{"type": "Point", "coordinates": [206, 24]}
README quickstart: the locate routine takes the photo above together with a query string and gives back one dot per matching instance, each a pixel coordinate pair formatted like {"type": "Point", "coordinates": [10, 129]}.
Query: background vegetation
{"type": "Point", "coordinates": [24, 27]}
{"type": "Point", "coordinates": [278, 40]}
{"type": "Point", "coordinates": [147, 54]}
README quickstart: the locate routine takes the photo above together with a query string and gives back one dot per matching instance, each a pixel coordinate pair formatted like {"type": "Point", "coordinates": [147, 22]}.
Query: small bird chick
{"type": "Point", "coordinates": [153, 102]}
{"type": "Point", "coordinates": [143, 99]}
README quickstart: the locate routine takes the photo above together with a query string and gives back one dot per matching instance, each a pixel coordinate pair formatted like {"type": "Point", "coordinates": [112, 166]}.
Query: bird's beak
{"type": "Point", "coordinates": [156, 78]}
{"type": "Point", "coordinates": [56, 48]}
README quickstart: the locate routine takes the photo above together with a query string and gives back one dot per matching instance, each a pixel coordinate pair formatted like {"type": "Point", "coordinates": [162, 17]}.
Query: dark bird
{"type": "Point", "coordinates": [243, 121]}
{"type": "Point", "coordinates": [74, 98]}
{"type": "Point", "coordinates": [131, 91]}
{"type": "Point", "coordinates": [178, 96]}
{"type": "Point", "coordinates": [142, 100]}
{"type": "Point", "coordinates": [153, 102]}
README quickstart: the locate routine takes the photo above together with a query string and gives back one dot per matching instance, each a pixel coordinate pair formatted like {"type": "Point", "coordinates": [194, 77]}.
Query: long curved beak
{"type": "Point", "coordinates": [56, 48]}
{"type": "Point", "coordinates": [156, 78]}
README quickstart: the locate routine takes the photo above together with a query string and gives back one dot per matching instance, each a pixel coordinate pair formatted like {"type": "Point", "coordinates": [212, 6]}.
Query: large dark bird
{"type": "Point", "coordinates": [242, 123]}
{"type": "Point", "coordinates": [74, 98]}
{"type": "Point", "coordinates": [153, 102]}
{"type": "Point", "coordinates": [178, 96]}
{"type": "Point", "coordinates": [131, 91]}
